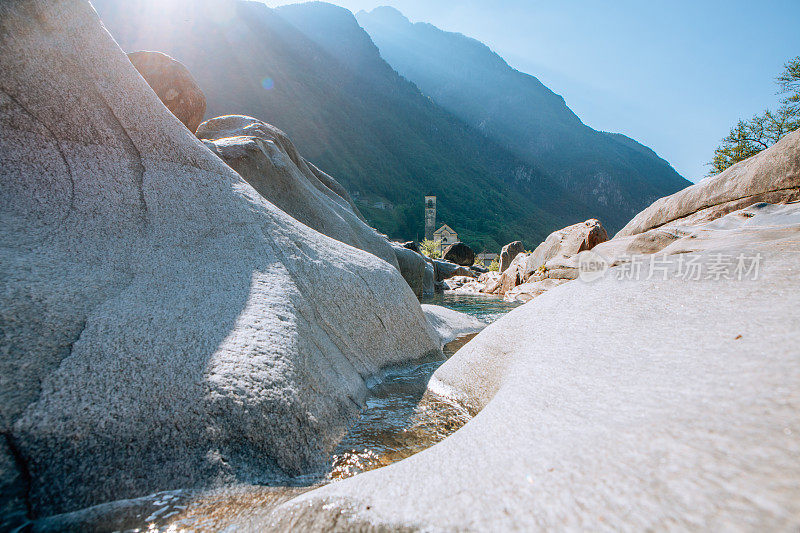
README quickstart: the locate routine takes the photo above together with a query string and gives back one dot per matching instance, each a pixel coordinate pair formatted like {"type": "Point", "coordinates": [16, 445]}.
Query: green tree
{"type": "Point", "coordinates": [789, 83]}
{"type": "Point", "coordinates": [430, 248]}
{"type": "Point", "coordinates": [749, 137]}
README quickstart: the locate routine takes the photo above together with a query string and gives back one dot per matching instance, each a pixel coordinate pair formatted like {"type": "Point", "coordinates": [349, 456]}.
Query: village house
{"type": "Point", "coordinates": [486, 258]}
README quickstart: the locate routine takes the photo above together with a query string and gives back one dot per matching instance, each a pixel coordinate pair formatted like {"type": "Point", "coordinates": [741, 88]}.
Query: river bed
{"type": "Point", "coordinates": [399, 420]}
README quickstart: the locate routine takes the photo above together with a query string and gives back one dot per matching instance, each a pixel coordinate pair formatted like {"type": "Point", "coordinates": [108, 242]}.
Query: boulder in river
{"type": "Point", "coordinates": [413, 268]}
{"type": "Point", "coordinates": [460, 254]}
{"type": "Point", "coordinates": [428, 280]}
{"type": "Point", "coordinates": [163, 324]}
{"type": "Point", "coordinates": [446, 269]}
{"type": "Point", "coordinates": [450, 324]}
{"type": "Point", "coordinates": [509, 252]}
{"type": "Point", "coordinates": [565, 243]}
{"type": "Point", "coordinates": [266, 158]}
{"type": "Point", "coordinates": [174, 85]}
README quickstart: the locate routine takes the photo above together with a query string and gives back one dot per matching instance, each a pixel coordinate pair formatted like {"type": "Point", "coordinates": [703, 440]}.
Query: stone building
{"type": "Point", "coordinates": [430, 216]}
{"type": "Point", "coordinates": [485, 258]}
{"type": "Point", "coordinates": [444, 237]}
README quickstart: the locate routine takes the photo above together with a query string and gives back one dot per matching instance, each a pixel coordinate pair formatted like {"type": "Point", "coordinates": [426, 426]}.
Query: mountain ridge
{"type": "Point", "coordinates": [387, 143]}
{"type": "Point", "coordinates": [612, 173]}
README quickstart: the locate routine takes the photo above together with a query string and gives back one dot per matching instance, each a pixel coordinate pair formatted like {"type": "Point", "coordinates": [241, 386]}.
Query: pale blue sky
{"type": "Point", "coordinates": [673, 75]}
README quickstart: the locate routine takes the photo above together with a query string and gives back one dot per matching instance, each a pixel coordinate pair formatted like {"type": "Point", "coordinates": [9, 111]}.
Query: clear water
{"type": "Point", "coordinates": [400, 419]}
{"type": "Point", "coordinates": [484, 307]}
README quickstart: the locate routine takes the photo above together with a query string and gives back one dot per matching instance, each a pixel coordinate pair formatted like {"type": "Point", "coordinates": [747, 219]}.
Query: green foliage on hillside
{"type": "Point", "coordinates": [749, 137]}
{"type": "Point", "coordinates": [350, 113]}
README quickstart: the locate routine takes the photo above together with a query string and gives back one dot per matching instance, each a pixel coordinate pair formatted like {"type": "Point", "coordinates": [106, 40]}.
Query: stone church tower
{"type": "Point", "coordinates": [430, 216]}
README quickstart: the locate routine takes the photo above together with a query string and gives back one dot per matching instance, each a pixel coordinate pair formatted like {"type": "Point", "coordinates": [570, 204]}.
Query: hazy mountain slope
{"type": "Point", "coordinates": [356, 119]}
{"type": "Point", "coordinates": [613, 174]}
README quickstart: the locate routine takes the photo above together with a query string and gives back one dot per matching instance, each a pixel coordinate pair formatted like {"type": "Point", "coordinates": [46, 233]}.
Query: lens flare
{"type": "Point", "coordinates": [268, 83]}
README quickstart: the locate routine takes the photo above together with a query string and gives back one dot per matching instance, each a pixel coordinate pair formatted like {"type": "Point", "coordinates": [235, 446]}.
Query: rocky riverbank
{"type": "Point", "coordinates": [657, 390]}
{"type": "Point", "coordinates": [192, 316]}
{"type": "Point", "coordinates": [165, 325]}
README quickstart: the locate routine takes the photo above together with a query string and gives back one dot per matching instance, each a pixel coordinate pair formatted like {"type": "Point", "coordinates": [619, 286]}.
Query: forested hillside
{"type": "Point", "coordinates": [352, 115]}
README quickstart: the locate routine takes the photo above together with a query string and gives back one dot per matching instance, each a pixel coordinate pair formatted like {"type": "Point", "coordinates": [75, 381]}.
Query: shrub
{"type": "Point", "coordinates": [430, 248]}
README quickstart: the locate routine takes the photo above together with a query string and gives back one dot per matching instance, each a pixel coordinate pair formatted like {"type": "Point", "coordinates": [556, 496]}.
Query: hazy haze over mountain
{"type": "Point", "coordinates": [613, 174]}
{"type": "Point", "coordinates": [348, 112]}
{"type": "Point", "coordinates": [673, 76]}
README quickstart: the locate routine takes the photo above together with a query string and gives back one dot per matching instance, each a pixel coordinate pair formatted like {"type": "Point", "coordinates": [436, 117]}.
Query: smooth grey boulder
{"type": "Point", "coordinates": [162, 325]}
{"type": "Point", "coordinates": [428, 279]}
{"type": "Point", "coordinates": [460, 254]}
{"type": "Point", "coordinates": [445, 269]}
{"type": "Point", "coordinates": [565, 243]}
{"type": "Point", "coordinates": [412, 266]}
{"type": "Point", "coordinates": [680, 395]}
{"type": "Point", "coordinates": [509, 252]}
{"type": "Point", "coordinates": [266, 158]}
{"type": "Point", "coordinates": [174, 85]}
{"type": "Point", "coordinates": [771, 176]}
{"type": "Point", "coordinates": [450, 324]}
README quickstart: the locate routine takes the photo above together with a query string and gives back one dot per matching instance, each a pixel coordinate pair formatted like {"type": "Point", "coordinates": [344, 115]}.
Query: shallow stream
{"type": "Point", "coordinates": [399, 420]}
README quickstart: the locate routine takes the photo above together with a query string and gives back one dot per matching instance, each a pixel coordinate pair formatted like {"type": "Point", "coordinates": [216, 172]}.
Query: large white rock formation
{"type": "Point", "coordinates": [770, 176]}
{"type": "Point", "coordinates": [163, 325]}
{"type": "Point", "coordinates": [265, 157]}
{"type": "Point", "coordinates": [615, 405]}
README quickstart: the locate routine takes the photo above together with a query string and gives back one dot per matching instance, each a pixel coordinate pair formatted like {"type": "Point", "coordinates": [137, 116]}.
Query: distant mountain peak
{"type": "Point", "coordinates": [337, 31]}
{"type": "Point", "coordinates": [319, 6]}
{"type": "Point", "coordinates": [386, 14]}
{"type": "Point", "coordinates": [613, 174]}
